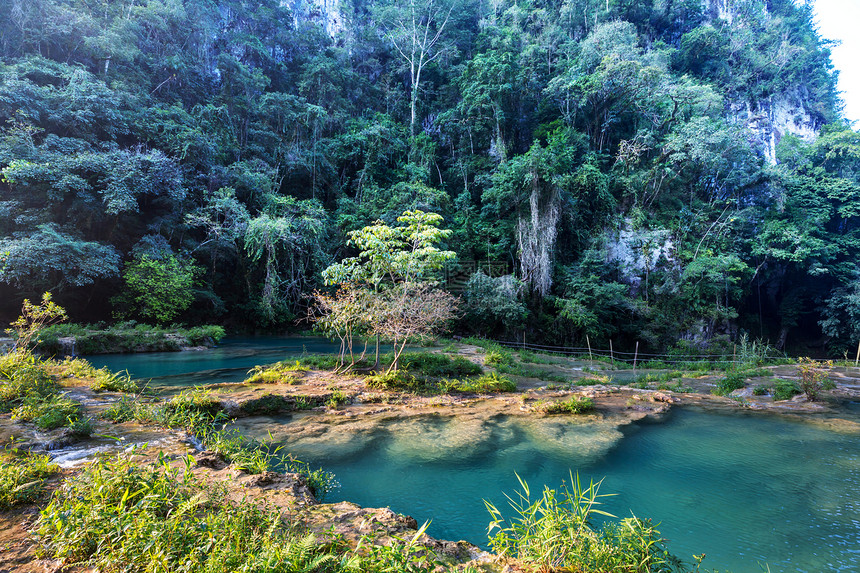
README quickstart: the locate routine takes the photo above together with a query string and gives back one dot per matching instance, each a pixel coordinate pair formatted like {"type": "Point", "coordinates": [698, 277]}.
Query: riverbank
{"type": "Point", "coordinates": [306, 409]}
{"type": "Point", "coordinates": [83, 339]}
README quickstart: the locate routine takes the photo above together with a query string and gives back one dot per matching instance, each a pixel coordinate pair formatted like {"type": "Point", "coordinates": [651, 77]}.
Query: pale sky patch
{"type": "Point", "coordinates": [840, 20]}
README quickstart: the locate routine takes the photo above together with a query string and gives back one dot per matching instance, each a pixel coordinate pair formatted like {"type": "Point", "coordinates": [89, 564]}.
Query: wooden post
{"type": "Point", "coordinates": [611, 354]}
{"type": "Point", "coordinates": [635, 356]}
{"type": "Point", "coordinates": [588, 342]}
{"type": "Point", "coordinates": [858, 354]}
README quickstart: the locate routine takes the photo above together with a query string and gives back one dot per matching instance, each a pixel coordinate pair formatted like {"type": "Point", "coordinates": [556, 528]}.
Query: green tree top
{"type": "Point", "coordinates": [405, 253]}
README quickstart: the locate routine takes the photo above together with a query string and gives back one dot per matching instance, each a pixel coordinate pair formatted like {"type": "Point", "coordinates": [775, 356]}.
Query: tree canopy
{"type": "Point", "coordinates": [631, 169]}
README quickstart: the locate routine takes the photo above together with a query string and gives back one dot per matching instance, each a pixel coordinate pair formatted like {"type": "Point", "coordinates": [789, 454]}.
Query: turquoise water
{"type": "Point", "coordinates": [744, 489]}
{"type": "Point", "coordinates": [228, 362]}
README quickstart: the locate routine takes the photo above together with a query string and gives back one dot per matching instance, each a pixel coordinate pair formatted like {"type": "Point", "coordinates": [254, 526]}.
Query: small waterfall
{"type": "Point", "coordinates": [67, 346]}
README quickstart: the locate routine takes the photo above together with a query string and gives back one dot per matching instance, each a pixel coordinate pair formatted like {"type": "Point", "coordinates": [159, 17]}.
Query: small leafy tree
{"type": "Point", "coordinates": [33, 319]}
{"type": "Point", "coordinates": [158, 289]}
{"type": "Point", "coordinates": [395, 269]}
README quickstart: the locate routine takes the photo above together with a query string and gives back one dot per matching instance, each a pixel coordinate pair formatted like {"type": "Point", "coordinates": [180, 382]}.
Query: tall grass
{"type": "Point", "coordinates": [120, 516]}
{"type": "Point", "coordinates": [198, 412]}
{"type": "Point", "coordinates": [555, 532]}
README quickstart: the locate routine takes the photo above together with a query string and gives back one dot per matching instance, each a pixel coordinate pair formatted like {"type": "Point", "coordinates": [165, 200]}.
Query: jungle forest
{"type": "Point", "coordinates": [629, 170]}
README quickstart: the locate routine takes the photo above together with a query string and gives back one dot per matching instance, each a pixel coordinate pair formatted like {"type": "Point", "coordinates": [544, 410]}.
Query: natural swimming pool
{"type": "Point", "coordinates": [746, 488]}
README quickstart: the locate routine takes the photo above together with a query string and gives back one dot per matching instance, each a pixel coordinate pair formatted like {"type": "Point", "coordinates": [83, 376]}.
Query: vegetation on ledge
{"type": "Point", "coordinates": [126, 337]}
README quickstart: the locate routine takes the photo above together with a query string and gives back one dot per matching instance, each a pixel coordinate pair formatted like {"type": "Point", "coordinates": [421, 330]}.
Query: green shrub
{"type": "Point", "coordinates": [785, 390]}
{"type": "Point", "coordinates": [48, 413]}
{"type": "Point", "coordinates": [435, 365]}
{"type": "Point", "coordinates": [761, 390]}
{"type": "Point", "coordinates": [204, 335]}
{"type": "Point", "coordinates": [279, 373]}
{"type": "Point", "coordinates": [573, 405]}
{"type": "Point", "coordinates": [729, 383]}
{"type": "Point", "coordinates": [486, 384]}
{"type": "Point", "coordinates": [126, 337]}
{"type": "Point", "coordinates": [22, 478]}
{"type": "Point", "coordinates": [814, 377]}
{"type": "Point", "coordinates": [24, 377]}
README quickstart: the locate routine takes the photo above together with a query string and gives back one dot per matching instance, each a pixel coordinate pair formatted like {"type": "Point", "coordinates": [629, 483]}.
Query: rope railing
{"type": "Point", "coordinates": [625, 356]}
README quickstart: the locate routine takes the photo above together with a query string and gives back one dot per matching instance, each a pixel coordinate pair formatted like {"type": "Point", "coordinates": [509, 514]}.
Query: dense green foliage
{"type": "Point", "coordinates": [126, 337]}
{"type": "Point", "coordinates": [609, 165]}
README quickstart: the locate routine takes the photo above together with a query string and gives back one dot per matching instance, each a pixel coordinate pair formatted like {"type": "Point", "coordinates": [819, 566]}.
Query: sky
{"type": "Point", "coordinates": [839, 20]}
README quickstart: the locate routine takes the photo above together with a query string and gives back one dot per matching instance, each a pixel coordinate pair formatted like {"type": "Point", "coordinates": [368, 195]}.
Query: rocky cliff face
{"type": "Point", "coordinates": [772, 118]}
{"type": "Point", "coordinates": [328, 13]}
{"type": "Point", "coordinates": [769, 120]}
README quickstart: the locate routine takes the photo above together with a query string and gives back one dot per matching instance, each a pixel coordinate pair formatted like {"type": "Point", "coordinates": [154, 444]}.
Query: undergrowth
{"type": "Point", "coordinates": [120, 516]}
{"type": "Point", "coordinates": [22, 477]}
{"type": "Point", "coordinates": [199, 413]}
{"type": "Point", "coordinates": [573, 405]}
{"type": "Point", "coordinates": [126, 337]}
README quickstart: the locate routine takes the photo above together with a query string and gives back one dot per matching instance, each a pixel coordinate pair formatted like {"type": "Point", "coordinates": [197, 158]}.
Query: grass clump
{"type": "Point", "coordinates": [29, 390]}
{"type": "Point", "coordinates": [486, 384]}
{"type": "Point", "coordinates": [190, 409]}
{"type": "Point", "coordinates": [106, 381]}
{"type": "Point", "coordinates": [22, 478]}
{"type": "Point", "coordinates": [48, 413]}
{"type": "Point", "coordinates": [735, 380]}
{"type": "Point", "coordinates": [24, 377]}
{"type": "Point", "coordinates": [120, 516]}
{"type": "Point", "coordinates": [729, 383]}
{"type": "Point", "coordinates": [200, 414]}
{"type": "Point", "coordinates": [319, 361]}
{"type": "Point", "coordinates": [532, 372]}
{"type": "Point", "coordinates": [529, 357]}
{"type": "Point", "coordinates": [678, 386]}
{"type": "Point", "coordinates": [785, 390]}
{"type": "Point", "coordinates": [498, 357]}
{"type": "Point", "coordinates": [554, 532]}
{"type": "Point", "coordinates": [435, 365]}
{"type": "Point", "coordinates": [279, 373]}
{"type": "Point", "coordinates": [573, 405]}
{"type": "Point", "coordinates": [401, 381]}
